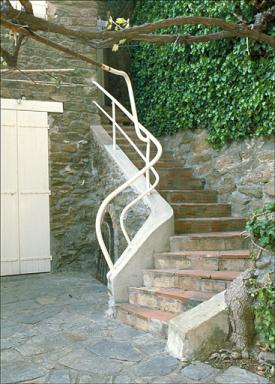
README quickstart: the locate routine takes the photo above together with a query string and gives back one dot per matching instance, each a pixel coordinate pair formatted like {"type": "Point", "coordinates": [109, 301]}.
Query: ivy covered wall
{"type": "Point", "coordinates": [222, 86]}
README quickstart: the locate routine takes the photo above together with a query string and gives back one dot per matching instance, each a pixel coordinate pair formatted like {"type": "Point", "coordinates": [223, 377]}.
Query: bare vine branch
{"type": "Point", "coordinates": [27, 33]}
{"type": "Point", "coordinates": [25, 23]}
{"type": "Point", "coordinates": [238, 30]}
{"type": "Point", "coordinates": [11, 59]}
{"type": "Point", "coordinates": [27, 6]}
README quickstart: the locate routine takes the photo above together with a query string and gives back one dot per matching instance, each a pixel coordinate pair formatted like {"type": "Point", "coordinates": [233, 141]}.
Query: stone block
{"type": "Point", "coordinates": [234, 375]}
{"type": "Point", "coordinates": [199, 372]}
{"type": "Point", "coordinates": [261, 174]}
{"type": "Point", "coordinates": [239, 202]}
{"type": "Point", "coordinates": [227, 184]}
{"type": "Point", "coordinates": [269, 188]}
{"type": "Point", "coordinates": [200, 143]}
{"type": "Point", "coordinates": [200, 158]}
{"type": "Point", "coordinates": [199, 331]}
{"type": "Point", "coordinates": [251, 190]}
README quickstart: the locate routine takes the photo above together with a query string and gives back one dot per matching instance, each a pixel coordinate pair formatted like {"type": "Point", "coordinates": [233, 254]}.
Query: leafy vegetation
{"type": "Point", "coordinates": [261, 227]}
{"type": "Point", "coordinates": [262, 231]}
{"type": "Point", "coordinates": [222, 86]}
{"type": "Point", "coordinates": [264, 302]}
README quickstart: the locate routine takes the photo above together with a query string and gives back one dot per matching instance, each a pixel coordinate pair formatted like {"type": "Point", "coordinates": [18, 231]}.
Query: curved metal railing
{"type": "Point", "coordinates": [145, 136]}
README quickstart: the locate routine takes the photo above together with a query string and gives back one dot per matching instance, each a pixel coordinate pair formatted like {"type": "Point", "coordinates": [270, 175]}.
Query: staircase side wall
{"type": "Point", "coordinates": [242, 173]}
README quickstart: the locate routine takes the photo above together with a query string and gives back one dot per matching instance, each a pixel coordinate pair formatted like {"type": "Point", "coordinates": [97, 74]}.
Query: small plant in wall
{"type": "Point", "coordinates": [260, 228]}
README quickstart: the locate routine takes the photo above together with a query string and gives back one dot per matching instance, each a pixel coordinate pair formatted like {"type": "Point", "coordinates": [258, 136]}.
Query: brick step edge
{"type": "Point", "coordinates": [174, 293]}
{"type": "Point", "coordinates": [200, 274]}
{"type": "Point", "coordinates": [145, 313]}
{"type": "Point", "coordinates": [231, 254]}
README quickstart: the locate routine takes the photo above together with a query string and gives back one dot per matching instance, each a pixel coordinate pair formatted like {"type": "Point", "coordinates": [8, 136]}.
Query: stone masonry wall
{"type": "Point", "coordinates": [74, 196]}
{"type": "Point", "coordinates": [242, 173]}
{"type": "Point", "coordinates": [81, 174]}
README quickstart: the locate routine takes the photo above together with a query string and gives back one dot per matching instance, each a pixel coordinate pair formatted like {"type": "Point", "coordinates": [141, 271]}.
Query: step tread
{"type": "Point", "coordinates": [146, 313]}
{"type": "Point", "coordinates": [231, 254]}
{"type": "Point", "coordinates": [207, 219]}
{"type": "Point", "coordinates": [213, 275]}
{"type": "Point", "coordinates": [200, 204]}
{"type": "Point", "coordinates": [175, 293]}
{"type": "Point", "coordinates": [201, 235]}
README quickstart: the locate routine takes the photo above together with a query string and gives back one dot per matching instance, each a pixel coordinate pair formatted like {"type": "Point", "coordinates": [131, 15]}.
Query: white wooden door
{"type": "Point", "coordinates": [25, 230]}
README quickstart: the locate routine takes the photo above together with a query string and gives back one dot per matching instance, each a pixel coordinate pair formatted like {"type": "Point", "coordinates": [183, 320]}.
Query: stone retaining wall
{"type": "Point", "coordinates": [242, 173]}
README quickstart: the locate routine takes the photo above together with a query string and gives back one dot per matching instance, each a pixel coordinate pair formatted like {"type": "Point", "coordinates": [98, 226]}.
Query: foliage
{"type": "Point", "coordinates": [262, 227]}
{"type": "Point", "coordinates": [264, 301]}
{"type": "Point", "coordinates": [222, 86]}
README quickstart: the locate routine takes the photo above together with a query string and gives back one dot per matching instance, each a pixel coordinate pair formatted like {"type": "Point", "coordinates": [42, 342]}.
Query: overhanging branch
{"type": "Point", "coordinates": [27, 6]}
{"type": "Point", "coordinates": [133, 33]}
{"type": "Point", "coordinates": [26, 33]}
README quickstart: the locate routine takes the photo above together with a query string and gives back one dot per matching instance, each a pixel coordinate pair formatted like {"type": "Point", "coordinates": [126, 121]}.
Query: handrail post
{"type": "Point", "coordinates": [114, 124]}
{"type": "Point", "coordinates": [147, 163]}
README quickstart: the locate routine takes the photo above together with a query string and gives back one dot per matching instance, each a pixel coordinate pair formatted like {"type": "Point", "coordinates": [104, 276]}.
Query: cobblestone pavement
{"type": "Point", "coordinates": [54, 330]}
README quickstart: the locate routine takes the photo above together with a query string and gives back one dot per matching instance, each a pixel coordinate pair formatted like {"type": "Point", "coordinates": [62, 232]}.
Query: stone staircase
{"type": "Point", "coordinates": [206, 253]}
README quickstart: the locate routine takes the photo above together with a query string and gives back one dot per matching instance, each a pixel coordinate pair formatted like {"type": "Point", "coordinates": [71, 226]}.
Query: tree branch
{"type": "Point", "coordinates": [27, 6]}
{"type": "Point", "coordinates": [27, 33]}
{"type": "Point", "coordinates": [37, 24]}
{"type": "Point", "coordinates": [11, 59]}
{"type": "Point", "coordinates": [183, 39]}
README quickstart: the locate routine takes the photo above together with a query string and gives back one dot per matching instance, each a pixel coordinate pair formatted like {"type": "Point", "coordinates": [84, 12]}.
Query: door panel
{"type": "Point", "coordinates": [33, 160]}
{"type": "Point", "coordinates": [9, 235]}
{"type": "Point", "coordinates": [8, 159]}
{"type": "Point", "coordinates": [34, 230]}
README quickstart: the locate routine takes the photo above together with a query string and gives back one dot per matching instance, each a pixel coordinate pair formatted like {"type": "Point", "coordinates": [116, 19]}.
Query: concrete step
{"type": "Point", "coordinates": [209, 224]}
{"type": "Point", "coordinates": [215, 241]}
{"type": "Point", "coordinates": [190, 280]}
{"type": "Point", "coordinates": [238, 260]}
{"type": "Point", "coordinates": [186, 183]}
{"type": "Point", "coordinates": [148, 320]}
{"type": "Point", "coordinates": [201, 209]}
{"type": "Point", "coordinates": [194, 196]}
{"type": "Point", "coordinates": [167, 299]}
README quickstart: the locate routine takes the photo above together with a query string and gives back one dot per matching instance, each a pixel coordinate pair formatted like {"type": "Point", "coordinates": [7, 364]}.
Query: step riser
{"type": "Point", "coordinates": [202, 263]}
{"type": "Point", "coordinates": [184, 282]}
{"type": "Point", "coordinates": [160, 165]}
{"type": "Point", "coordinates": [161, 303]}
{"type": "Point", "coordinates": [180, 184]}
{"type": "Point", "coordinates": [128, 147]}
{"type": "Point", "coordinates": [193, 197]}
{"type": "Point", "coordinates": [210, 244]}
{"type": "Point", "coordinates": [187, 226]}
{"type": "Point", "coordinates": [155, 326]}
{"type": "Point", "coordinates": [202, 211]}
{"type": "Point", "coordinates": [133, 155]}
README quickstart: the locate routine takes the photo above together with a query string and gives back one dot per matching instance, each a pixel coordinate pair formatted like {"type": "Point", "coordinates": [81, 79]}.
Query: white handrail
{"type": "Point", "coordinates": [147, 138]}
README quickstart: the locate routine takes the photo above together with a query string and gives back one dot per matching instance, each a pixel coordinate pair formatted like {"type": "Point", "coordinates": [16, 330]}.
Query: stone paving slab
{"type": "Point", "coordinates": [54, 331]}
